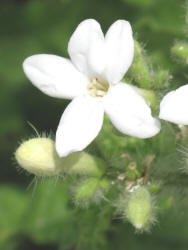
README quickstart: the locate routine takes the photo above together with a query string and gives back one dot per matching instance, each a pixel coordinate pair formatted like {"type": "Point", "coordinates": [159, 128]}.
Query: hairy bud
{"type": "Point", "coordinates": [38, 156]}
{"type": "Point", "coordinates": [139, 208]}
{"type": "Point", "coordinates": [180, 51]}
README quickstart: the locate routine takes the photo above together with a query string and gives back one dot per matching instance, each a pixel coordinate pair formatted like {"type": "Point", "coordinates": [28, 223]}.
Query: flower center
{"type": "Point", "coordinates": [97, 88]}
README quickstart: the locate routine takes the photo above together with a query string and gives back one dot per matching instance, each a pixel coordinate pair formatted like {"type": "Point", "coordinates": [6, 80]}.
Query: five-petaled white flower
{"type": "Point", "coordinates": [174, 106]}
{"type": "Point", "coordinates": [92, 79]}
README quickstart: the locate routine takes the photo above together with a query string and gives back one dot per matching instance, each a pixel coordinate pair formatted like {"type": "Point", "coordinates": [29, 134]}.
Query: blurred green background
{"type": "Point", "coordinates": [42, 216]}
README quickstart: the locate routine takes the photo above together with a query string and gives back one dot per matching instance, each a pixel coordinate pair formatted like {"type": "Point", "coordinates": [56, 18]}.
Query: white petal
{"type": "Point", "coordinates": [129, 112]}
{"type": "Point", "coordinates": [86, 48]}
{"type": "Point", "coordinates": [55, 76]}
{"type": "Point", "coordinates": [119, 45]}
{"type": "Point", "coordinates": [79, 125]}
{"type": "Point", "coordinates": [174, 106]}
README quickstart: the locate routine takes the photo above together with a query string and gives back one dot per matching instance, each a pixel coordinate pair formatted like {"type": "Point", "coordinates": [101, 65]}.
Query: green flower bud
{"type": "Point", "coordinates": [139, 69]}
{"type": "Point", "coordinates": [81, 163]}
{"type": "Point", "coordinates": [86, 190]}
{"type": "Point", "coordinates": [161, 79]}
{"type": "Point", "coordinates": [38, 156]}
{"type": "Point", "coordinates": [180, 50]}
{"type": "Point", "coordinates": [139, 208]}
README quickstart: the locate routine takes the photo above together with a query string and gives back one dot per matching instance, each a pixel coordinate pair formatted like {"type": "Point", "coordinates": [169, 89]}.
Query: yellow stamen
{"type": "Point", "coordinates": [97, 88]}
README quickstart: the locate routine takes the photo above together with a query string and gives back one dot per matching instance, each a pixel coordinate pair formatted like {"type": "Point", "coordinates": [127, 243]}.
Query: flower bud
{"type": "Point", "coordinates": [82, 163]}
{"type": "Point", "coordinates": [180, 50]}
{"type": "Point", "coordinates": [86, 190]}
{"type": "Point", "coordinates": [38, 156]}
{"type": "Point", "coordinates": [161, 79]}
{"type": "Point", "coordinates": [139, 70]}
{"type": "Point", "coordinates": [91, 190]}
{"type": "Point", "coordinates": [138, 210]}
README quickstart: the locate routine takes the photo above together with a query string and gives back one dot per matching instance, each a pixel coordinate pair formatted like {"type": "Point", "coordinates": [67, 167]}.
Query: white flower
{"type": "Point", "coordinates": [92, 79]}
{"type": "Point", "coordinates": [174, 106]}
